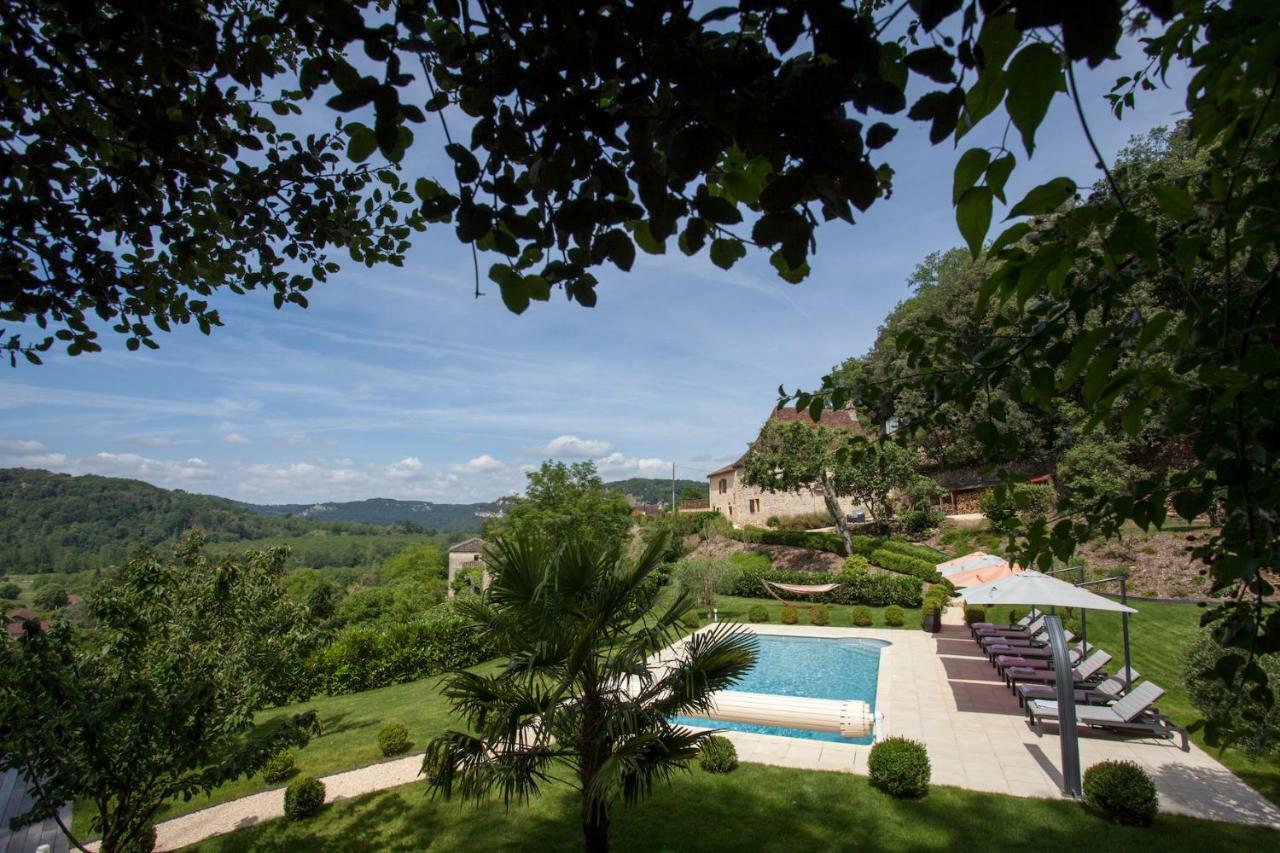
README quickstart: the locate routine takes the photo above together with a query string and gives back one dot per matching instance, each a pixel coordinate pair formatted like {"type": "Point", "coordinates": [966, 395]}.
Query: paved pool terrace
{"type": "Point", "coordinates": [940, 689]}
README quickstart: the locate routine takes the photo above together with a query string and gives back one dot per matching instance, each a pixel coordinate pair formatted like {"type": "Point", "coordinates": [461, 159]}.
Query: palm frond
{"type": "Point", "coordinates": [712, 660]}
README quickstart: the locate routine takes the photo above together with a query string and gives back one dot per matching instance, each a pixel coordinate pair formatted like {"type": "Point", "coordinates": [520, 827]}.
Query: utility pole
{"type": "Point", "coordinates": [673, 488]}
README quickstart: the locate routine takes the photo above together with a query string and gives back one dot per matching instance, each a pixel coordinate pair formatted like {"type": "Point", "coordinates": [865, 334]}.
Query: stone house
{"type": "Point", "coordinates": [468, 554]}
{"type": "Point", "coordinates": [743, 504]}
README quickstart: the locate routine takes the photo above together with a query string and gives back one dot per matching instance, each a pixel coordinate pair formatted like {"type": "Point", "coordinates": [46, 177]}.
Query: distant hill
{"type": "Point", "coordinates": [655, 490]}
{"type": "Point", "coordinates": [445, 518]}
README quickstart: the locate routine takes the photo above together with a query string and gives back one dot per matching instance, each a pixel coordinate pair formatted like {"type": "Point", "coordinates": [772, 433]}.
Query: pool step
{"type": "Point", "coordinates": [852, 718]}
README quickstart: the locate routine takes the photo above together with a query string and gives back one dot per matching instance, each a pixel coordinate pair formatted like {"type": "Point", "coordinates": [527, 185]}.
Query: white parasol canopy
{"type": "Point", "coordinates": [1031, 587]}
{"type": "Point", "coordinates": [976, 560]}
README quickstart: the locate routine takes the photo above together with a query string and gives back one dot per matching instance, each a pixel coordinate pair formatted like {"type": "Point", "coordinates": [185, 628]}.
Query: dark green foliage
{"type": "Point", "coordinates": [788, 615]}
{"type": "Point", "coordinates": [691, 620]}
{"type": "Point", "coordinates": [797, 539]}
{"type": "Point", "coordinates": [702, 578]}
{"type": "Point", "coordinates": [819, 614]}
{"type": "Point", "coordinates": [279, 767]}
{"type": "Point", "coordinates": [805, 521]}
{"type": "Point", "coordinates": [1122, 791]}
{"type": "Point", "coordinates": [363, 657]}
{"type": "Point", "coordinates": [183, 654]}
{"type": "Point", "coordinates": [51, 596]}
{"type": "Point", "coordinates": [565, 502]}
{"type": "Point", "coordinates": [303, 798]}
{"type": "Point", "coordinates": [758, 613]}
{"type": "Point", "coordinates": [893, 616]}
{"type": "Point", "coordinates": [1247, 722]}
{"type": "Point", "coordinates": [897, 562]}
{"type": "Point", "coordinates": [403, 516]}
{"type": "Point", "coordinates": [861, 616]}
{"type": "Point", "coordinates": [653, 490]}
{"type": "Point", "coordinates": [855, 563]}
{"type": "Point", "coordinates": [1024, 501]}
{"type": "Point", "coordinates": [10, 590]}
{"type": "Point", "coordinates": [574, 619]}
{"type": "Point", "coordinates": [899, 766]}
{"type": "Point", "coordinates": [718, 755]}
{"type": "Point", "coordinates": [393, 739]}
{"type": "Point", "coordinates": [974, 614]}
{"type": "Point", "coordinates": [918, 522]}
{"type": "Point", "coordinates": [856, 587]}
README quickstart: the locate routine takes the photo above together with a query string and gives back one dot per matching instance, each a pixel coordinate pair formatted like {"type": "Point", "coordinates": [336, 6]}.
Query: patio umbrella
{"type": "Point", "coordinates": [1032, 587]}
{"type": "Point", "coordinates": [982, 574]}
{"type": "Point", "coordinates": [976, 560]}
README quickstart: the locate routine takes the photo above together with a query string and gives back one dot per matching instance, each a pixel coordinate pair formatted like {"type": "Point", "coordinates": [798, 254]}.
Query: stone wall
{"type": "Point", "coordinates": [461, 560]}
{"type": "Point", "coordinates": [743, 504]}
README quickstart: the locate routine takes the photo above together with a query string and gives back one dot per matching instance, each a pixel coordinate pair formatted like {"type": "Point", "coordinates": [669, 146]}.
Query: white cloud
{"type": "Point", "coordinates": [153, 441]}
{"type": "Point", "coordinates": [574, 447]}
{"type": "Point", "coordinates": [20, 446]}
{"type": "Point", "coordinates": [142, 467]}
{"type": "Point", "coordinates": [618, 465]}
{"type": "Point", "coordinates": [481, 464]}
{"type": "Point", "coordinates": [409, 468]}
{"type": "Point", "coordinates": [235, 438]}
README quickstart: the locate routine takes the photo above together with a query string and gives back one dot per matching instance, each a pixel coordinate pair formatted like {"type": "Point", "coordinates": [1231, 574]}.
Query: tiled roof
{"type": "Point", "coordinates": [474, 544]}
{"type": "Point", "coordinates": [22, 614]}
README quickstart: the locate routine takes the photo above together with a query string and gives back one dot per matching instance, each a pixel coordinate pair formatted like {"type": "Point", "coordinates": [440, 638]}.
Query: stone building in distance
{"type": "Point", "coordinates": [743, 504]}
{"type": "Point", "coordinates": [468, 554]}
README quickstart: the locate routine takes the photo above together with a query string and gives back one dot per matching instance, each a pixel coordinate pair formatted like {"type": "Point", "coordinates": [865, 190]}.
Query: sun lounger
{"type": "Point", "coordinates": [1102, 693]}
{"type": "Point", "coordinates": [1038, 658]}
{"type": "Point", "coordinates": [1133, 714]}
{"type": "Point", "coordinates": [1088, 669]}
{"type": "Point", "coordinates": [1013, 631]}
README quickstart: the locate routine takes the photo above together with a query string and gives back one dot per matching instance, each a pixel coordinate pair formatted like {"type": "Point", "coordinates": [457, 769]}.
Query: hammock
{"type": "Point", "coordinates": [797, 589]}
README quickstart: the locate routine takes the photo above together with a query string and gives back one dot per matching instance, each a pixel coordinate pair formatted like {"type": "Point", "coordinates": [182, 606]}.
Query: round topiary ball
{"type": "Point", "coordinates": [717, 755]}
{"type": "Point", "coordinates": [819, 614]}
{"type": "Point", "coordinates": [278, 767]}
{"type": "Point", "coordinates": [303, 798]}
{"type": "Point", "coordinates": [758, 613]}
{"type": "Point", "coordinates": [691, 619]}
{"type": "Point", "coordinates": [893, 616]}
{"type": "Point", "coordinates": [900, 766]}
{"type": "Point", "coordinates": [789, 616]}
{"type": "Point", "coordinates": [1122, 791]}
{"type": "Point", "coordinates": [393, 739]}
{"type": "Point", "coordinates": [861, 616]}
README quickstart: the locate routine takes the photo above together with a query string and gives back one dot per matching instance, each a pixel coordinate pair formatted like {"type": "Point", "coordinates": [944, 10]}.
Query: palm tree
{"type": "Point", "coordinates": [579, 626]}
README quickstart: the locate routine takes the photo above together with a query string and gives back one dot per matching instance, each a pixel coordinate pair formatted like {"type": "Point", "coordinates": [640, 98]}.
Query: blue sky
{"type": "Point", "coordinates": [398, 383]}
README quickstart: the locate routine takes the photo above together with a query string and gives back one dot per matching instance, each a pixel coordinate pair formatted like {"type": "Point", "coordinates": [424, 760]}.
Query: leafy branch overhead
{"type": "Point", "coordinates": [578, 134]}
{"type": "Point", "coordinates": [1148, 304]}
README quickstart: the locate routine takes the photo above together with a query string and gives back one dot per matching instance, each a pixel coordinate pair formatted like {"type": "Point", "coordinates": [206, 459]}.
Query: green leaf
{"type": "Point", "coordinates": [725, 252]}
{"type": "Point", "coordinates": [361, 142]}
{"type": "Point", "coordinates": [880, 135]}
{"type": "Point", "coordinates": [1174, 201]}
{"type": "Point", "coordinates": [968, 169]}
{"type": "Point", "coordinates": [718, 210]}
{"type": "Point", "coordinates": [1098, 373]}
{"type": "Point", "coordinates": [465, 163]}
{"type": "Point", "coordinates": [645, 240]}
{"type": "Point", "coordinates": [1037, 74]}
{"type": "Point", "coordinates": [973, 215]}
{"type": "Point", "coordinates": [998, 174]}
{"type": "Point", "coordinates": [788, 273]}
{"type": "Point", "coordinates": [515, 294]}
{"type": "Point", "coordinates": [1045, 198]}
{"type": "Point", "coordinates": [997, 40]}
{"type": "Point", "coordinates": [1133, 235]}
{"type": "Point", "coordinates": [1009, 236]}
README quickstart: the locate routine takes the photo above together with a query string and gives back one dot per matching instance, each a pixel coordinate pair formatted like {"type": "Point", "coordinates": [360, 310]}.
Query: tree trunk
{"type": "Point", "coordinates": [832, 501]}
{"type": "Point", "coordinates": [595, 835]}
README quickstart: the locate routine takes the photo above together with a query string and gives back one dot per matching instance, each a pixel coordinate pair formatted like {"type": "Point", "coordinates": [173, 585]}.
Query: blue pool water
{"type": "Point", "coordinates": [808, 666]}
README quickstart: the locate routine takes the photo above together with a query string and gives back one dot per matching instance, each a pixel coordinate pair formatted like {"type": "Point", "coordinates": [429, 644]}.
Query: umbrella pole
{"type": "Point", "coordinates": [1068, 737]}
{"type": "Point", "coordinates": [1124, 630]}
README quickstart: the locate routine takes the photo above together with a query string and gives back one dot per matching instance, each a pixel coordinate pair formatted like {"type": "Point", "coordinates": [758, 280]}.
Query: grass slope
{"type": "Point", "coordinates": [754, 808]}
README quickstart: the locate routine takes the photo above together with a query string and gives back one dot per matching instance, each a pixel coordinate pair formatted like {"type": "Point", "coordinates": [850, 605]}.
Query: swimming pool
{"type": "Point", "coordinates": [822, 668]}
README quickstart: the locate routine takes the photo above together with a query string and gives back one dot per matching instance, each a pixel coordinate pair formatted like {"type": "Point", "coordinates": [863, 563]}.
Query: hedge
{"type": "Point", "coordinates": [867, 545]}
{"type": "Point", "coordinates": [795, 538]}
{"type": "Point", "coordinates": [901, 563]}
{"type": "Point", "coordinates": [875, 590]}
{"type": "Point", "coordinates": [364, 657]}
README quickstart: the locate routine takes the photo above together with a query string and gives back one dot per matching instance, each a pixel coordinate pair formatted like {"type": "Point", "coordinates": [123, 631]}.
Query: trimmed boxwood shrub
{"type": "Point", "coordinates": [819, 614]}
{"type": "Point", "coordinates": [861, 616]}
{"type": "Point", "coordinates": [279, 767]}
{"type": "Point", "coordinates": [788, 616]}
{"type": "Point", "coordinates": [855, 563]}
{"type": "Point", "coordinates": [899, 766]}
{"type": "Point", "coordinates": [393, 739]}
{"type": "Point", "coordinates": [691, 619]}
{"type": "Point", "coordinates": [717, 755]}
{"type": "Point", "coordinates": [856, 587]}
{"type": "Point", "coordinates": [303, 798]}
{"type": "Point", "coordinates": [758, 613]}
{"type": "Point", "coordinates": [1122, 791]}
{"type": "Point", "coordinates": [893, 616]}
{"type": "Point", "coordinates": [795, 538]}
{"type": "Point", "coordinates": [975, 614]}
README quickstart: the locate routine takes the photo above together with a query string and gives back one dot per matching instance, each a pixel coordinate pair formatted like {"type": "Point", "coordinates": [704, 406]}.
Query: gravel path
{"type": "Point", "coordinates": [247, 811]}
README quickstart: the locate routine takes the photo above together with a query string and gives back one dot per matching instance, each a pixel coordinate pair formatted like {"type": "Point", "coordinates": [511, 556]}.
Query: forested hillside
{"type": "Point", "coordinates": [56, 522]}
{"type": "Point", "coordinates": [441, 517]}
{"type": "Point", "coordinates": [654, 490]}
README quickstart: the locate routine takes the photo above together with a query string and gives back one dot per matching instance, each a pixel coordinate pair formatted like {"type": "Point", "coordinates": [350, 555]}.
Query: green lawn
{"type": "Point", "coordinates": [350, 724]}
{"type": "Point", "coordinates": [754, 808]}
{"type": "Point", "coordinates": [1158, 634]}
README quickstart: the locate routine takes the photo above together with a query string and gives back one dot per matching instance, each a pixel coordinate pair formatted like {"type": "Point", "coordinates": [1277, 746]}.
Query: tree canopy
{"type": "Point", "coordinates": [587, 130]}
{"type": "Point", "coordinates": [568, 502]}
